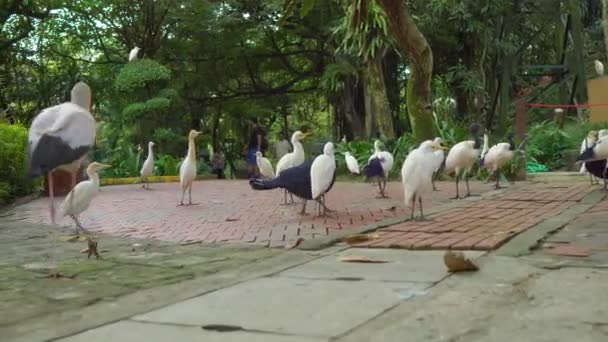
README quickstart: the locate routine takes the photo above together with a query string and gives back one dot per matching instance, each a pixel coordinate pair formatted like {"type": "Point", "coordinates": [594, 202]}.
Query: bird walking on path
{"type": "Point", "coordinates": [60, 138]}
{"type": "Point", "coordinates": [187, 171]}
{"type": "Point", "coordinates": [351, 163]}
{"type": "Point", "coordinates": [264, 165]}
{"type": "Point", "coordinates": [462, 157]}
{"type": "Point", "coordinates": [323, 176]}
{"type": "Point", "coordinates": [292, 159]}
{"type": "Point", "coordinates": [379, 164]}
{"type": "Point", "coordinates": [595, 157]}
{"type": "Point", "coordinates": [417, 174]}
{"type": "Point", "coordinates": [79, 199]}
{"type": "Point", "coordinates": [589, 141]}
{"type": "Point", "coordinates": [147, 169]}
{"type": "Point", "coordinates": [497, 156]}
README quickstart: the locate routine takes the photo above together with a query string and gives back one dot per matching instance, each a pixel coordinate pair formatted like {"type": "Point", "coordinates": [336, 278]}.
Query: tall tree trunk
{"type": "Point", "coordinates": [390, 65]}
{"type": "Point", "coordinates": [605, 24]}
{"type": "Point", "coordinates": [376, 86]}
{"type": "Point", "coordinates": [413, 44]}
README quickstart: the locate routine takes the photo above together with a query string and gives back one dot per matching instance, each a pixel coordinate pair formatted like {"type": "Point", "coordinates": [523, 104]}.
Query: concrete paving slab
{"type": "Point", "coordinates": [402, 266]}
{"type": "Point", "coordinates": [137, 331]}
{"type": "Point", "coordinates": [288, 305]}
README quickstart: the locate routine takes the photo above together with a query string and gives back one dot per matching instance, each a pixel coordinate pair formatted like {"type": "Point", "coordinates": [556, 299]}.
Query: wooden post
{"type": "Point", "coordinates": [521, 127]}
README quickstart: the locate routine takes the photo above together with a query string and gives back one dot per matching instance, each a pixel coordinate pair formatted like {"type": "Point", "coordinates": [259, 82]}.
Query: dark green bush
{"type": "Point", "coordinates": [13, 168]}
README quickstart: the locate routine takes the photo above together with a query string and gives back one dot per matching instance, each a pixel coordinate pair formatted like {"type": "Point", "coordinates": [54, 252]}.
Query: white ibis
{"type": "Point", "coordinates": [133, 54]}
{"type": "Point", "coordinates": [79, 199]}
{"type": "Point", "coordinates": [498, 156]}
{"type": "Point", "coordinates": [147, 169]}
{"type": "Point", "coordinates": [187, 171]}
{"type": "Point", "coordinates": [379, 164]}
{"type": "Point", "coordinates": [323, 175]}
{"type": "Point", "coordinates": [294, 158]}
{"type": "Point", "coordinates": [351, 163]}
{"type": "Point", "coordinates": [264, 165]}
{"type": "Point", "coordinates": [417, 174]}
{"type": "Point", "coordinates": [60, 138]}
{"type": "Point", "coordinates": [463, 156]}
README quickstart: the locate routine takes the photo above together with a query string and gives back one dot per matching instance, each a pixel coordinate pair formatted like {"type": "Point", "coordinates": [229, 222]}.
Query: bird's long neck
{"type": "Point", "coordinates": [298, 149]}
{"type": "Point", "coordinates": [93, 177]}
{"type": "Point", "coordinates": [151, 153]}
{"type": "Point", "coordinates": [477, 140]}
{"type": "Point", "coordinates": [511, 144]}
{"type": "Point", "coordinates": [191, 150]}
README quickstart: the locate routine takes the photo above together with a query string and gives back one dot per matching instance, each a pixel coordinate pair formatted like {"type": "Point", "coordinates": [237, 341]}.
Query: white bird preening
{"type": "Point", "coordinates": [323, 175]}
{"type": "Point", "coordinates": [294, 158]}
{"type": "Point", "coordinates": [133, 54]}
{"type": "Point", "coordinates": [386, 161]}
{"type": "Point", "coordinates": [497, 156]}
{"type": "Point", "coordinates": [147, 169]}
{"type": "Point", "coordinates": [589, 141]}
{"type": "Point", "coordinates": [60, 138]}
{"type": "Point", "coordinates": [463, 156]}
{"type": "Point", "coordinates": [79, 199]}
{"type": "Point", "coordinates": [264, 165]}
{"type": "Point", "coordinates": [187, 171]}
{"type": "Point", "coordinates": [417, 174]}
{"type": "Point", "coordinates": [351, 163]}
{"type": "Point", "coordinates": [599, 67]}
{"type": "Point", "coordinates": [437, 159]}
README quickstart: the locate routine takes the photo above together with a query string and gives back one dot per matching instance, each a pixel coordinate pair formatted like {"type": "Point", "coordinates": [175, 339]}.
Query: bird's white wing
{"type": "Point", "coordinates": [584, 145]}
{"type": "Point", "coordinates": [437, 159]}
{"type": "Point", "coordinates": [79, 198]}
{"type": "Point", "coordinates": [498, 155]}
{"type": "Point", "coordinates": [321, 174]}
{"type": "Point", "coordinates": [388, 161]}
{"type": "Point", "coordinates": [284, 163]}
{"type": "Point", "coordinates": [265, 167]}
{"type": "Point", "coordinates": [148, 167]}
{"type": "Point", "coordinates": [352, 164]}
{"type": "Point", "coordinates": [71, 123]}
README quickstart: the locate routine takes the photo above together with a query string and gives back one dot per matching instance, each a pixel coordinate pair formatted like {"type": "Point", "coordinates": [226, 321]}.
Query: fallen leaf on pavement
{"type": "Point", "coordinates": [456, 261]}
{"type": "Point", "coordinates": [358, 238]}
{"type": "Point", "coordinates": [361, 258]}
{"type": "Point", "coordinates": [231, 219]}
{"type": "Point", "coordinates": [294, 244]}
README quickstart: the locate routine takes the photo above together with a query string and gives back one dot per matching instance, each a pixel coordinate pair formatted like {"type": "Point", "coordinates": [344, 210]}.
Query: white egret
{"type": "Point", "coordinates": [133, 53]}
{"type": "Point", "coordinates": [589, 141]}
{"type": "Point", "coordinates": [60, 138]}
{"type": "Point", "coordinates": [147, 169]}
{"type": "Point", "coordinates": [294, 158]}
{"type": "Point", "coordinates": [498, 156]}
{"type": "Point", "coordinates": [463, 156]}
{"type": "Point", "coordinates": [379, 164]}
{"type": "Point", "coordinates": [187, 171]}
{"type": "Point", "coordinates": [351, 163]}
{"type": "Point", "coordinates": [264, 165]}
{"type": "Point", "coordinates": [417, 174]}
{"type": "Point", "coordinates": [79, 199]}
{"type": "Point", "coordinates": [599, 67]}
{"type": "Point", "coordinates": [323, 175]}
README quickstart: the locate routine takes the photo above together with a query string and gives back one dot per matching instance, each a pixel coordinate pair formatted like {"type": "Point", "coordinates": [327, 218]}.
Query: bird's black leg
{"type": "Point", "coordinates": [291, 199]}
{"type": "Point", "coordinates": [321, 203]}
{"type": "Point", "coordinates": [79, 227]}
{"type": "Point", "coordinates": [51, 196]}
{"type": "Point", "coordinates": [181, 204]}
{"type": "Point", "coordinates": [433, 181]}
{"type": "Point", "coordinates": [457, 194]}
{"type": "Point", "coordinates": [604, 176]}
{"type": "Point", "coordinates": [466, 181]}
{"type": "Point", "coordinates": [591, 178]}
{"type": "Point", "coordinates": [384, 187]}
{"type": "Point", "coordinates": [190, 195]}
{"type": "Point", "coordinates": [420, 204]}
{"type": "Point", "coordinates": [303, 212]}
{"type": "Point", "coordinates": [413, 208]}
{"type": "Point", "coordinates": [379, 187]}
{"type": "Point", "coordinates": [497, 186]}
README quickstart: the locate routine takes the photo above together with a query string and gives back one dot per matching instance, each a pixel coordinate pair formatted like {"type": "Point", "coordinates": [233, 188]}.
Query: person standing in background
{"type": "Point", "coordinates": [282, 146]}
{"type": "Point", "coordinates": [257, 143]}
{"type": "Point", "coordinates": [218, 163]}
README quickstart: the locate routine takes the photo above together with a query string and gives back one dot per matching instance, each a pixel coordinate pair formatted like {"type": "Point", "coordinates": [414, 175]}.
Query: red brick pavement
{"type": "Point", "coordinates": [484, 224]}
{"type": "Point", "coordinates": [229, 211]}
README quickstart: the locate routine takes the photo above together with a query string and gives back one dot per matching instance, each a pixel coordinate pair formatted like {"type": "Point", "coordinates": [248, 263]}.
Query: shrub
{"type": "Point", "coordinates": [13, 168]}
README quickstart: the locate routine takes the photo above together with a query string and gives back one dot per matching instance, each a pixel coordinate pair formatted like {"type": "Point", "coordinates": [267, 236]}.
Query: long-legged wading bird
{"type": "Point", "coordinates": [437, 157]}
{"type": "Point", "coordinates": [351, 163]}
{"type": "Point", "coordinates": [379, 164]}
{"type": "Point", "coordinates": [323, 176]}
{"type": "Point", "coordinates": [79, 199]}
{"type": "Point", "coordinates": [148, 168]}
{"type": "Point", "coordinates": [417, 174]}
{"type": "Point", "coordinates": [589, 141]}
{"type": "Point", "coordinates": [463, 156]}
{"type": "Point", "coordinates": [133, 54]}
{"type": "Point", "coordinates": [60, 138]}
{"type": "Point", "coordinates": [264, 165]}
{"type": "Point", "coordinates": [187, 171]}
{"type": "Point", "coordinates": [595, 157]}
{"type": "Point", "coordinates": [498, 156]}
{"type": "Point", "coordinates": [294, 158]}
